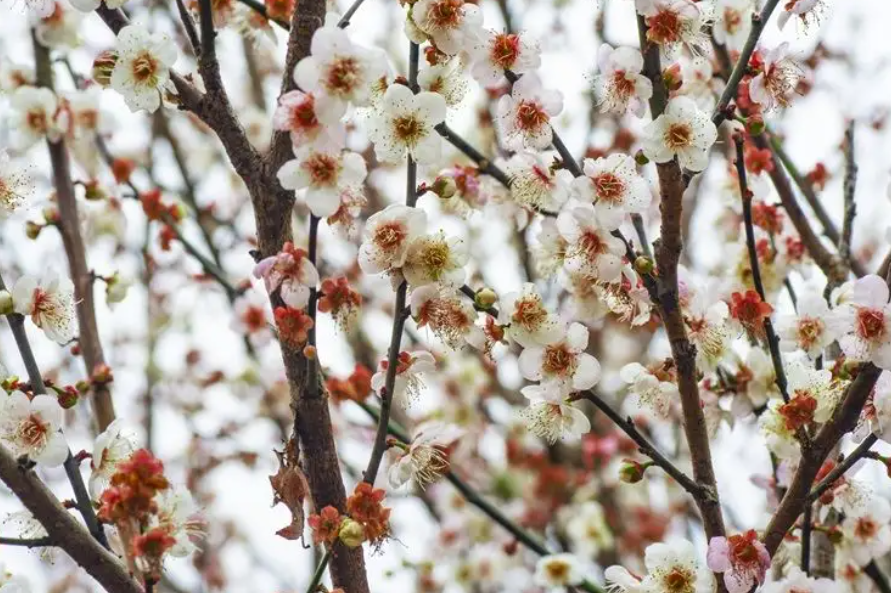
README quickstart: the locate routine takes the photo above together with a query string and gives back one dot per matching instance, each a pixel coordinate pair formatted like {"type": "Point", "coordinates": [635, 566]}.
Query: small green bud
{"type": "Point", "coordinates": [485, 298]}
{"type": "Point", "coordinates": [644, 265]}
{"type": "Point", "coordinates": [352, 534]}
{"type": "Point", "coordinates": [444, 187]}
{"type": "Point", "coordinates": [640, 158]}
{"type": "Point", "coordinates": [6, 304]}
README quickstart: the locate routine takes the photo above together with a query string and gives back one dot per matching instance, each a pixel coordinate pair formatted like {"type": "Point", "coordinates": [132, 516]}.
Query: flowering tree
{"type": "Point", "coordinates": [475, 321]}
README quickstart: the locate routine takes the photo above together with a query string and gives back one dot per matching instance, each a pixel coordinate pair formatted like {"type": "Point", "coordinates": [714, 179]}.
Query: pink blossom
{"type": "Point", "coordinates": [291, 271]}
{"type": "Point", "coordinates": [742, 558]}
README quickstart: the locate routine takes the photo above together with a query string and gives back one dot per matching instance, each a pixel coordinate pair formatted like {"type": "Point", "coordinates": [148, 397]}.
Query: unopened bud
{"type": "Point", "coordinates": [116, 289]}
{"type": "Point", "coordinates": [82, 386]}
{"type": "Point", "coordinates": [644, 265]}
{"type": "Point", "coordinates": [352, 534]}
{"type": "Point", "coordinates": [68, 398]}
{"type": "Point", "coordinates": [102, 375]}
{"type": "Point", "coordinates": [835, 535]}
{"type": "Point", "coordinates": [444, 187]}
{"type": "Point", "coordinates": [32, 229]}
{"type": "Point", "coordinates": [94, 191]}
{"type": "Point", "coordinates": [122, 169]}
{"type": "Point", "coordinates": [51, 215]}
{"type": "Point", "coordinates": [672, 77]}
{"type": "Point", "coordinates": [102, 67]}
{"type": "Point", "coordinates": [755, 125]}
{"type": "Point", "coordinates": [6, 304]}
{"type": "Point", "coordinates": [632, 471]}
{"type": "Point", "coordinates": [640, 158]}
{"type": "Point", "coordinates": [485, 298]}
{"type": "Point", "coordinates": [310, 352]}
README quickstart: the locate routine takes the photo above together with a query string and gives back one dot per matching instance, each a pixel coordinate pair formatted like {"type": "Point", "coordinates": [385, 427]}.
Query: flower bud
{"type": "Point", "coordinates": [102, 67]}
{"type": "Point", "coordinates": [6, 304]}
{"type": "Point", "coordinates": [632, 471]}
{"type": "Point", "coordinates": [485, 298]}
{"type": "Point", "coordinates": [352, 534]}
{"type": "Point", "coordinates": [644, 265]}
{"type": "Point", "coordinates": [102, 375]}
{"type": "Point", "coordinates": [51, 215]}
{"type": "Point", "coordinates": [116, 289]}
{"type": "Point", "coordinates": [309, 351]}
{"type": "Point", "coordinates": [672, 77]}
{"type": "Point", "coordinates": [32, 229]}
{"type": "Point", "coordinates": [835, 535]}
{"type": "Point", "coordinates": [444, 187]}
{"type": "Point", "coordinates": [755, 125]}
{"type": "Point", "coordinates": [68, 398]}
{"type": "Point", "coordinates": [640, 158]}
{"type": "Point", "coordinates": [122, 169]}
{"type": "Point", "coordinates": [94, 191]}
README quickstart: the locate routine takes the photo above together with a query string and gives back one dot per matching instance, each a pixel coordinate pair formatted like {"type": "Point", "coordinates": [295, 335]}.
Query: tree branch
{"type": "Point", "coordinates": [847, 463]}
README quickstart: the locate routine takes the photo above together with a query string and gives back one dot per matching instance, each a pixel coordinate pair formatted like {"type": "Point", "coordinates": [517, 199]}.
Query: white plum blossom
{"type": "Point", "coordinates": [435, 259]}
{"type": "Point", "coordinates": [776, 83]}
{"type": "Point", "coordinates": [733, 21]}
{"type": "Point", "coordinates": [867, 322]}
{"type": "Point", "coordinates": [31, 428]}
{"type": "Point", "coordinates": [296, 114]}
{"type": "Point", "coordinates": [60, 29]}
{"type": "Point", "coordinates": [615, 188]}
{"type": "Point", "coordinates": [450, 315]}
{"type": "Point", "coordinates": [818, 385]}
{"type": "Point", "coordinates": [14, 75]}
{"type": "Point", "coordinates": [814, 327]}
{"type": "Point", "coordinates": [559, 570]}
{"type": "Point", "coordinates": [114, 445]}
{"type": "Point", "coordinates": [808, 11]}
{"type": "Point", "coordinates": [706, 317]}
{"type": "Point", "coordinates": [561, 367]}
{"type": "Point", "coordinates": [779, 437]}
{"type": "Point", "coordinates": [496, 52]}
{"type": "Point", "coordinates": [535, 184]}
{"type": "Point", "coordinates": [619, 85]}
{"type": "Point", "coordinates": [408, 384]}
{"type": "Point", "coordinates": [550, 248]}
{"type": "Point", "coordinates": [34, 117]}
{"type": "Point", "coordinates": [15, 185]}
{"type": "Point", "coordinates": [142, 69]}
{"type": "Point", "coordinates": [590, 244]}
{"type": "Point", "coordinates": [675, 23]}
{"type": "Point", "coordinates": [527, 320]}
{"type": "Point", "coordinates": [425, 458]}
{"type": "Point", "coordinates": [868, 534]}
{"type": "Point", "coordinates": [683, 131]}
{"type": "Point", "coordinates": [324, 176]}
{"type": "Point", "coordinates": [446, 79]}
{"type": "Point", "coordinates": [798, 581]}
{"type": "Point", "coordinates": [405, 123]}
{"type": "Point", "coordinates": [653, 389]}
{"type": "Point", "coordinates": [49, 302]}
{"type": "Point", "coordinates": [524, 116]}
{"type": "Point", "coordinates": [291, 272]}
{"type": "Point", "coordinates": [387, 235]}
{"type": "Point", "coordinates": [451, 25]}
{"type": "Point", "coordinates": [179, 516]}
{"type": "Point", "coordinates": [671, 568]}
{"type": "Point", "coordinates": [338, 72]}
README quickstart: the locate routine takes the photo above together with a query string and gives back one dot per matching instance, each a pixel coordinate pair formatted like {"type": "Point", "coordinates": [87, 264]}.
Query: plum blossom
{"type": "Point", "coordinates": [733, 21]}
{"type": "Point", "coordinates": [683, 131]}
{"type": "Point", "coordinates": [15, 184]}
{"type": "Point", "coordinates": [814, 327]}
{"type": "Point", "coordinates": [653, 389]}
{"type": "Point", "coordinates": [408, 384]}
{"type": "Point", "coordinates": [180, 518]}
{"type": "Point", "coordinates": [775, 84]}
{"type": "Point", "coordinates": [324, 176]}
{"type": "Point", "coordinates": [338, 72]}
{"type": "Point", "coordinates": [449, 315]}
{"type": "Point", "coordinates": [559, 570]}
{"type": "Point", "coordinates": [615, 188]}
{"type": "Point", "coordinates": [674, 23]}
{"type": "Point", "coordinates": [535, 184]}
{"type": "Point", "coordinates": [527, 320]}
{"type": "Point", "coordinates": [142, 68]}
{"type": "Point", "coordinates": [451, 25]}
{"type": "Point", "coordinates": [32, 428]}
{"type": "Point", "coordinates": [387, 235]}
{"type": "Point", "coordinates": [290, 271]}
{"type": "Point", "coordinates": [435, 259]}
{"type": "Point", "coordinates": [798, 581]}
{"type": "Point", "coordinates": [867, 322]}
{"type": "Point", "coordinates": [868, 533]}
{"type": "Point", "coordinates": [671, 568]}
{"type": "Point", "coordinates": [296, 114]}
{"type": "Point", "coordinates": [405, 123]}
{"type": "Point", "coordinates": [60, 28]}
{"type": "Point", "coordinates": [706, 319]}
{"type": "Point", "coordinates": [496, 52]}
{"type": "Point", "coordinates": [808, 11]}
{"type": "Point", "coordinates": [426, 458]}
{"type": "Point", "coordinates": [525, 115]}
{"type": "Point", "coordinates": [817, 385]}
{"type": "Point", "coordinates": [49, 302]}
{"type": "Point", "coordinates": [561, 367]}
{"type": "Point", "coordinates": [114, 445]}
{"type": "Point", "coordinates": [553, 420]}
{"type": "Point", "coordinates": [592, 245]}
{"type": "Point", "coordinates": [446, 79]}
{"type": "Point", "coordinates": [742, 558]}
{"type": "Point", "coordinates": [34, 117]}
{"type": "Point", "coordinates": [619, 85]}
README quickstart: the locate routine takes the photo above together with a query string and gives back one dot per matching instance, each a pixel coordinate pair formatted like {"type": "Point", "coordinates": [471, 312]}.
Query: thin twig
{"type": "Point", "coordinates": [36, 542]}
{"type": "Point", "coordinates": [319, 572]}
{"type": "Point", "coordinates": [806, 528]}
{"type": "Point", "coordinates": [189, 26]}
{"type": "Point", "coordinates": [878, 578]}
{"type": "Point", "coordinates": [850, 188]}
{"type": "Point", "coordinates": [846, 464]}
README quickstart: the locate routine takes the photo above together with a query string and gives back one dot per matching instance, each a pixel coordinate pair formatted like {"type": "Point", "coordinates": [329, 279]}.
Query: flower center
{"type": "Point", "coordinates": [664, 27]}
{"type": "Point", "coordinates": [591, 244]}
{"type": "Point", "coordinates": [322, 169]}
{"type": "Point", "coordinates": [505, 49]}
{"type": "Point", "coordinates": [530, 116]}
{"type": "Point", "coordinates": [145, 69]}
{"type": "Point", "coordinates": [343, 74]}
{"type": "Point", "coordinates": [557, 571]}
{"type": "Point", "coordinates": [871, 324]}
{"type": "Point", "coordinates": [530, 313]}
{"type": "Point", "coordinates": [37, 120]}
{"type": "Point", "coordinates": [34, 432]}
{"type": "Point", "coordinates": [408, 129]}
{"type": "Point", "coordinates": [732, 20]}
{"type": "Point", "coordinates": [446, 14]}
{"type": "Point", "coordinates": [558, 360]}
{"type": "Point", "coordinates": [303, 115]}
{"type": "Point", "coordinates": [609, 188]}
{"type": "Point", "coordinates": [389, 236]}
{"type": "Point", "coordinates": [809, 331]}
{"type": "Point", "coordinates": [799, 411]}
{"type": "Point", "coordinates": [434, 258]}
{"type": "Point", "coordinates": [254, 318]}
{"type": "Point", "coordinates": [621, 85]}
{"type": "Point", "coordinates": [677, 581]}
{"type": "Point", "coordinates": [678, 136]}
{"type": "Point", "coordinates": [866, 528]}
